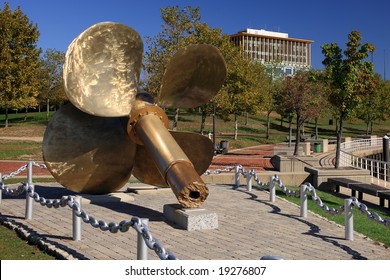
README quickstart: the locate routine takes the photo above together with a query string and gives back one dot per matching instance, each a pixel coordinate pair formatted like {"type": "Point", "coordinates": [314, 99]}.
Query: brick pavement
{"type": "Point", "coordinates": [249, 227]}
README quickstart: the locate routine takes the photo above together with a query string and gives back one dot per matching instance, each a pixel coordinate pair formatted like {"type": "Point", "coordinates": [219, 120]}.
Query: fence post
{"type": "Point", "coordinates": [303, 199]}
{"type": "Point", "coordinates": [249, 180]}
{"type": "Point", "coordinates": [142, 249]}
{"type": "Point", "coordinates": [76, 221]}
{"type": "Point", "coordinates": [348, 219]}
{"type": "Point", "coordinates": [271, 189]}
{"type": "Point", "coordinates": [29, 199]}
{"type": "Point", "coordinates": [237, 181]}
{"type": "Point", "coordinates": [1, 192]}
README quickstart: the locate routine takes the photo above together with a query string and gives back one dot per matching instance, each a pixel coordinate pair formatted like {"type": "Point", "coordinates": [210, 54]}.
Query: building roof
{"type": "Point", "coordinates": [269, 34]}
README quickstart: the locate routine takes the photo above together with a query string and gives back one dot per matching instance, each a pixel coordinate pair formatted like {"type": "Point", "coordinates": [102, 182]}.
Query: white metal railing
{"type": "Point", "coordinates": [379, 170]}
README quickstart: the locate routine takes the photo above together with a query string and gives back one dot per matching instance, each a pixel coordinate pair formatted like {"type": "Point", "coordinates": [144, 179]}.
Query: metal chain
{"type": "Point", "coordinates": [278, 181]}
{"type": "Point", "coordinates": [370, 215]}
{"type": "Point", "coordinates": [123, 226]}
{"type": "Point", "coordinates": [17, 172]}
{"type": "Point", "coordinates": [113, 227]}
{"type": "Point", "coordinates": [39, 165]}
{"type": "Point", "coordinates": [219, 171]}
{"type": "Point", "coordinates": [333, 211]}
{"type": "Point", "coordinates": [12, 192]}
{"type": "Point", "coordinates": [257, 180]}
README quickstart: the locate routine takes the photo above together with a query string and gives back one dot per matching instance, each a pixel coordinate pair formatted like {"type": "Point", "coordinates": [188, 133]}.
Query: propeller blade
{"type": "Point", "coordinates": [192, 77]}
{"type": "Point", "coordinates": [198, 148]}
{"type": "Point", "coordinates": [88, 154]}
{"type": "Point", "coordinates": [102, 68]}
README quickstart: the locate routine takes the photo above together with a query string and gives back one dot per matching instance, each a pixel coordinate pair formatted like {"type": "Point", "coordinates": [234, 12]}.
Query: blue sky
{"type": "Point", "coordinates": [59, 22]}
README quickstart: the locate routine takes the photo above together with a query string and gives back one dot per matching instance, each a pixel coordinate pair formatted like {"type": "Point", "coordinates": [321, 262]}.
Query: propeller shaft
{"type": "Point", "coordinates": [171, 161]}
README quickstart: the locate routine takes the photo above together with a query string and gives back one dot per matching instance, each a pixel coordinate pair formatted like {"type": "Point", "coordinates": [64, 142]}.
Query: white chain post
{"type": "Point", "coordinates": [237, 181]}
{"type": "Point", "coordinates": [348, 219]}
{"type": "Point", "coordinates": [29, 199]}
{"type": "Point", "coordinates": [272, 192]}
{"type": "Point", "coordinates": [142, 249]}
{"type": "Point", "coordinates": [249, 180]}
{"type": "Point", "coordinates": [303, 201]}
{"type": "Point", "coordinates": [1, 192]}
{"type": "Point", "coordinates": [76, 220]}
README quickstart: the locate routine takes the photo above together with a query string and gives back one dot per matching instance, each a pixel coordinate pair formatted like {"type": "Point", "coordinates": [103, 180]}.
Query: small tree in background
{"type": "Point", "coordinates": [52, 88]}
{"type": "Point", "coordinates": [350, 76]}
{"type": "Point", "coordinates": [375, 105]}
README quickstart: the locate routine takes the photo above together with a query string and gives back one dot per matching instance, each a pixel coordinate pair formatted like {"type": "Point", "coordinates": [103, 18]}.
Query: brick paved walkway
{"type": "Point", "coordinates": [249, 227]}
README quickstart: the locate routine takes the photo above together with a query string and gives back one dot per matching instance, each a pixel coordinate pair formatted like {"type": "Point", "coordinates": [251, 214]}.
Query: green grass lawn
{"type": "Point", "coordinates": [14, 248]}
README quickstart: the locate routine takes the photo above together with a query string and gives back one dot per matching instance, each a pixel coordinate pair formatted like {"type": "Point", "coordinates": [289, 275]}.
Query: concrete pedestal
{"type": "Point", "coordinates": [190, 219]}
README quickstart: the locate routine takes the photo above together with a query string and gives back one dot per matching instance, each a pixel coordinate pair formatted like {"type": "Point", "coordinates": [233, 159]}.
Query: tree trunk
{"type": "Point", "coordinates": [235, 127]}
{"type": "Point", "coordinates": [175, 120]}
{"type": "Point", "coordinates": [338, 144]}
{"type": "Point", "coordinates": [25, 114]}
{"type": "Point", "coordinates": [297, 135]}
{"type": "Point", "coordinates": [246, 118]}
{"type": "Point", "coordinates": [6, 118]}
{"type": "Point", "coordinates": [316, 129]}
{"type": "Point", "coordinates": [268, 124]}
{"type": "Point", "coordinates": [47, 108]}
{"type": "Point", "coordinates": [289, 130]}
{"type": "Point", "coordinates": [203, 122]}
{"type": "Point", "coordinates": [372, 123]}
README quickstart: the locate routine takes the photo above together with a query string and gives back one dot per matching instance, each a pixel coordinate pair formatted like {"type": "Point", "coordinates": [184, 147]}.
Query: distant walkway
{"type": "Point", "coordinates": [256, 157]}
{"type": "Point", "coordinates": [34, 139]}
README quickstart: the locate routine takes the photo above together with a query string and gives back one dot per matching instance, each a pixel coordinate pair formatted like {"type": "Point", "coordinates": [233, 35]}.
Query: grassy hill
{"type": "Point", "coordinates": [251, 131]}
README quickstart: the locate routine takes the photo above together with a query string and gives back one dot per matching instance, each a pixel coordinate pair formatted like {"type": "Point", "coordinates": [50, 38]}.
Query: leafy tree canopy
{"type": "Point", "coordinates": [19, 59]}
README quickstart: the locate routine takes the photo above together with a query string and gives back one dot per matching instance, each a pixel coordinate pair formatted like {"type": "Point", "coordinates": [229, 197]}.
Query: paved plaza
{"type": "Point", "coordinates": [249, 227]}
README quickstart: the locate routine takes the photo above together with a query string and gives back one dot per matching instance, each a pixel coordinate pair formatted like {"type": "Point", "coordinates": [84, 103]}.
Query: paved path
{"type": "Point", "coordinates": [249, 227]}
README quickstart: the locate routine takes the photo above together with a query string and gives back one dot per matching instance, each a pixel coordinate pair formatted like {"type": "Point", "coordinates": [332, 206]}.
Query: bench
{"type": "Point", "coordinates": [344, 182]}
{"type": "Point", "coordinates": [361, 188]}
{"type": "Point", "coordinates": [383, 195]}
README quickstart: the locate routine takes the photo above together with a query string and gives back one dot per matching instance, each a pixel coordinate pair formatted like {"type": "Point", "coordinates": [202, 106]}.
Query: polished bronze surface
{"type": "Point", "coordinates": [138, 114]}
{"type": "Point", "coordinates": [102, 68]}
{"type": "Point", "coordinates": [86, 151]}
{"type": "Point", "coordinates": [88, 154]}
{"type": "Point", "coordinates": [171, 161]}
{"type": "Point", "coordinates": [199, 150]}
{"type": "Point", "coordinates": [192, 77]}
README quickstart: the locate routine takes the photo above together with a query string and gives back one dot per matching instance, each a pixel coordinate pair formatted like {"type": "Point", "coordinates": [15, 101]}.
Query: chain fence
{"type": "Point", "coordinates": [302, 192]}
{"type": "Point", "coordinates": [138, 224]}
{"type": "Point", "coordinates": [141, 226]}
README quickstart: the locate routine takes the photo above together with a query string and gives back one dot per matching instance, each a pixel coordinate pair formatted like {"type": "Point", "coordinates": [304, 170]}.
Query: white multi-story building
{"type": "Point", "coordinates": [278, 52]}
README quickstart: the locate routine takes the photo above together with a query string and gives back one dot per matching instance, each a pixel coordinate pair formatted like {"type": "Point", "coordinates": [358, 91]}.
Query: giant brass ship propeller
{"type": "Point", "coordinates": [111, 130]}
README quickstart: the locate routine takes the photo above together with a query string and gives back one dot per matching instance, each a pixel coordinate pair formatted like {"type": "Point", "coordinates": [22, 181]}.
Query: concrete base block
{"type": "Point", "coordinates": [190, 219]}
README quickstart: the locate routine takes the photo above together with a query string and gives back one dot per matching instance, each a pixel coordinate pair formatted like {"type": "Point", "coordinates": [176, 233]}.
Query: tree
{"type": "Point", "coordinates": [52, 89]}
{"type": "Point", "coordinates": [296, 97]}
{"type": "Point", "coordinates": [243, 90]}
{"type": "Point", "coordinates": [19, 60]}
{"type": "Point", "coordinates": [375, 104]}
{"type": "Point", "coordinates": [349, 76]}
{"type": "Point", "coordinates": [319, 97]}
{"type": "Point", "coordinates": [161, 47]}
{"type": "Point", "coordinates": [182, 28]}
